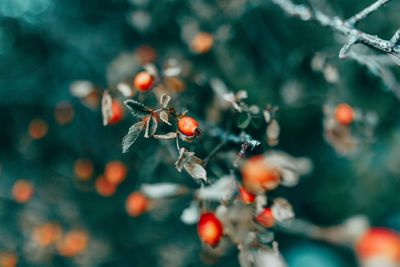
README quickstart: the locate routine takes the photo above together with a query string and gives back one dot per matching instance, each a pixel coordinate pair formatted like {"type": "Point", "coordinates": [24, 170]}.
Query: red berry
{"type": "Point", "coordinates": [188, 126]}
{"type": "Point", "coordinates": [246, 197]}
{"type": "Point", "coordinates": [344, 114]}
{"type": "Point", "coordinates": [209, 229]}
{"type": "Point", "coordinates": [117, 112]}
{"type": "Point", "coordinates": [259, 176]}
{"type": "Point", "coordinates": [265, 218]}
{"type": "Point", "coordinates": [136, 204]}
{"type": "Point", "coordinates": [115, 172]}
{"type": "Point", "coordinates": [143, 81]}
{"type": "Point", "coordinates": [379, 242]}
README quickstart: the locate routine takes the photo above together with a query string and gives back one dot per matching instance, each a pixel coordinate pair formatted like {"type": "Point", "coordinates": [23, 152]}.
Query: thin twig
{"type": "Point", "coordinates": [213, 152]}
{"type": "Point", "coordinates": [367, 11]}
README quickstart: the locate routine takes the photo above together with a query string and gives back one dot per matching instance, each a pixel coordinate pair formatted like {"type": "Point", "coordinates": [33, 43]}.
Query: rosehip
{"type": "Point", "coordinates": [259, 176]}
{"type": "Point", "coordinates": [83, 169]}
{"type": "Point", "coordinates": [117, 112]}
{"type": "Point", "coordinates": [136, 204]}
{"type": "Point", "coordinates": [209, 229]}
{"type": "Point", "coordinates": [38, 128]}
{"type": "Point", "coordinates": [265, 218]}
{"type": "Point", "coordinates": [188, 126]}
{"type": "Point", "coordinates": [73, 243]}
{"type": "Point", "coordinates": [246, 197]}
{"type": "Point", "coordinates": [47, 234]}
{"type": "Point", "coordinates": [115, 172]}
{"type": "Point", "coordinates": [22, 191]}
{"type": "Point", "coordinates": [104, 187]}
{"type": "Point", "coordinates": [202, 42]}
{"type": "Point", "coordinates": [379, 242]}
{"type": "Point", "coordinates": [143, 81]}
{"type": "Point", "coordinates": [344, 114]}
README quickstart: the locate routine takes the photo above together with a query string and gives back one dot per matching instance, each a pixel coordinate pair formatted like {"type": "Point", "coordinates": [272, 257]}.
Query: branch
{"type": "Point", "coordinates": [345, 27]}
{"type": "Point", "coordinates": [365, 12]}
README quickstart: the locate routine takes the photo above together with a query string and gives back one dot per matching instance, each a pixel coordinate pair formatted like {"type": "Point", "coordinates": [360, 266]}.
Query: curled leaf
{"type": "Point", "coordinates": [138, 109]}
{"type": "Point", "coordinates": [151, 126]}
{"type": "Point", "coordinates": [192, 164]}
{"type": "Point", "coordinates": [164, 117]}
{"type": "Point", "coordinates": [191, 214]}
{"type": "Point", "coordinates": [162, 190]}
{"type": "Point", "coordinates": [282, 210]}
{"type": "Point", "coordinates": [164, 100]}
{"type": "Point", "coordinates": [131, 136]}
{"type": "Point", "coordinates": [106, 107]}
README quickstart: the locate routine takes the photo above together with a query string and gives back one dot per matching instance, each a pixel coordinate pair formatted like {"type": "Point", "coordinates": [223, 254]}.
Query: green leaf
{"type": "Point", "coordinates": [131, 136]}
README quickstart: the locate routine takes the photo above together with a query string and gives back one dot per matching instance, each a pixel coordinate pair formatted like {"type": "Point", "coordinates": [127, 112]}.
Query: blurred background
{"type": "Point", "coordinates": [53, 145]}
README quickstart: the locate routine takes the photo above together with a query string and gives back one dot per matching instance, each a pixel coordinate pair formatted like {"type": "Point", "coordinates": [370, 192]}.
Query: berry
{"type": "Point", "coordinates": [38, 128]}
{"type": "Point", "coordinates": [83, 169]}
{"type": "Point", "coordinates": [104, 187]}
{"type": "Point", "coordinates": [344, 114]}
{"type": "Point", "coordinates": [209, 229]}
{"type": "Point", "coordinates": [265, 218]}
{"type": "Point", "coordinates": [117, 112]}
{"type": "Point", "coordinates": [259, 176]}
{"type": "Point", "coordinates": [246, 197]}
{"type": "Point", "coordinates": [73, 243]}
{"type": "Point", "coordinates": [379, 242]}
{"type": "Point", "coordinates": [188, 126]}
{"type": "Point", "coordinates": [136, 204]}
{"type": "Point", "coordinates": [22, 191]}
{"type": "Point", "coordinates": [115, 172]}
{"type": "Point", "coordinates": [143, 81]}
{"type": "Point", "coordinates": [202, 43]}
{"type": "Point", "coordinates": [47, 234]}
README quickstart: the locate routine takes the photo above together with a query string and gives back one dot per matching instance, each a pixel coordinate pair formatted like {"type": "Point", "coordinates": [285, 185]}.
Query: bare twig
{"type": "Point", "coordinates": [344, 27]}
{"type": "Point", "coordinates": [365, 12]}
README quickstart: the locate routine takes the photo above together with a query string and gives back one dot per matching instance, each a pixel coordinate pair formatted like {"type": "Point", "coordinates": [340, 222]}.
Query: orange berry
{"type": "Point", "coordinates": [209, 229]}
{"type": "Point", "coordinates": [188, 126]}
{"type": "Point", "coordinates": [46, 234]}
{"type": "Point", "coordinates": [64, 113]}
{"type": "Point", "coordinates": [22, 191]}
{"type": "Point", "coordinates": [202, 42]}
{"type": "Point", "coordinates": [83, 169]}
{"type": "Point", "coordinates": [258, 176]}
{"type": "Point", "coordinates": [265, 218]}
{"type": "Point", "coordinates": [379, 242]}
{"type": "Point", "coordinates": [73, 243]}
{"type": "Point", "coordinates": [38, 128]}
{"type": "Point", "coordinates": [8, 259]}
{"type": "Point", "coordinates": [344, 114]}
{"type": "Point", "coordinates": [146, 54]}
{"type": "Point", "coordinates": [115, 172]}
{"type": "Point", "coordinates": [136, 204]}
{"type": "Point", "coordinates": [104, 187]}
{"type": "Point", "coordinates": [117, 112]}
{"type": "Point", "coordinates": [143, 81]}
{"type": "Point", "coordinates": [246, 197]}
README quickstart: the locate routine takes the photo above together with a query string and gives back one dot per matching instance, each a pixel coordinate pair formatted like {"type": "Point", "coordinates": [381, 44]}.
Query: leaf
{"type": "Point", "coordinates": [125, 89]}
{"type": "Point", "coordinates": [196, 170]}
{"type": "Point", "coordinates": [162, 190]}
{"type": "Point", "coordinates": [131, 136]}
{"type": "Point", "coordinates": [138, 109]}
{"type": "Point", "coordinates": [164, 100]}
{"type": "Point", "coordinates": [243, 121]}
{"type": "Point", "coordinates": [223, 189]}
{"type": "Point", "coordinates": [282, 210]}
{"type": "Point", "coordinates": [151, 126]}
{"type": "Point", "coordinates": [81, 88]}
{"type": "Point", "coordinates": [164, 117]}
{"type": "Point", "coordinates": [184, 157]}
{"type": "Point", "coordinates": [168, 136]}
{"type": "Point", "coordinates": [106, 107]}
{"type": "Point", "coordinates": [191, 214]}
